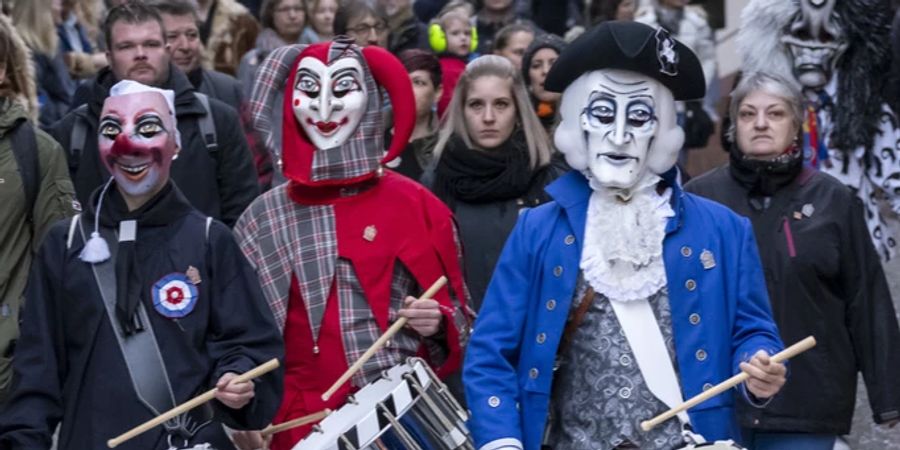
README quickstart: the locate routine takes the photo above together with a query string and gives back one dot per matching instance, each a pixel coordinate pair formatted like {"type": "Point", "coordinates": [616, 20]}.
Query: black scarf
{"type": "Point", "coordinates": [483, 176]}
{"type": "Point", "coordinates": [167, 206]}
{"type": "Point", "coordinates": [765, 177]}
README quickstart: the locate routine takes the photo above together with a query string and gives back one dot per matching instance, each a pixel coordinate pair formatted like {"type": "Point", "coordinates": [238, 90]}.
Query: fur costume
{"type": "Point", "coordinates": [851, 113]}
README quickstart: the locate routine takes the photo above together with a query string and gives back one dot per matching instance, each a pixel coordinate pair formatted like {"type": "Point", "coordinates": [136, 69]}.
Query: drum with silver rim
{"type": "Point", "coordinates": [408, 407]}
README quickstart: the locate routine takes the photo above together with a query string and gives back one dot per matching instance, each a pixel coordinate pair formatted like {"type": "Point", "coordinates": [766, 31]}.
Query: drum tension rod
{"type": "Point", "coordinates": [398, 427]}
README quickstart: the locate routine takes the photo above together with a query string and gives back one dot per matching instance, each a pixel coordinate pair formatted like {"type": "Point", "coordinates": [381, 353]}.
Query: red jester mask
{"type": "Point", "coordinates": [329, 100]}
{"type": "Point", "coordinates": [137, 137]}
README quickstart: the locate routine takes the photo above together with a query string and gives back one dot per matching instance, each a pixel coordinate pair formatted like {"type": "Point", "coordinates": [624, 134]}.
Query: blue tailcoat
{"type": "Point", "coordinates": [720, 314]}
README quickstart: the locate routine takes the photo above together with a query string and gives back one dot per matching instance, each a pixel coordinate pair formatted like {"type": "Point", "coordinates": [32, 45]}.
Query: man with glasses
{"type": "Point", "coordinates": [362, 23]}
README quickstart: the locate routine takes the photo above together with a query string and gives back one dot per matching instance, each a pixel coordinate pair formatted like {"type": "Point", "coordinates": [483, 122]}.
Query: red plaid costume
{"type": "Point", "coordinates": [342, 244]}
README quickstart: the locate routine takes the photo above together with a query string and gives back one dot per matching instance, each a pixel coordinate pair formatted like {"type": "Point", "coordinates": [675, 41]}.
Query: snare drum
{"type": "Point", "coordinates": [408, 407]}
{"type": "Point", "coordinates": [717, 445]}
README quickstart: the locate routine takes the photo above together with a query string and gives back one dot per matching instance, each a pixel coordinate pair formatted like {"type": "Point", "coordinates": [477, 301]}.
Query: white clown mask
{"type": "Point", "coordinates": [617, 127]}
{"type": "Point", "coordinates": [329, 100]}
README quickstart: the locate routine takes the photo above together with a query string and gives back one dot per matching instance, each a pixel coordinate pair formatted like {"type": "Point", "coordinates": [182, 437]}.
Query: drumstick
{"type": "Point", "coordinates": [783, 355]}
{"type": "Point", "coordinates": [190, 404]}
{"type": "Point", "coordinates": [380, 342]}
{"type": "Point", "coordinates": [284, 426]}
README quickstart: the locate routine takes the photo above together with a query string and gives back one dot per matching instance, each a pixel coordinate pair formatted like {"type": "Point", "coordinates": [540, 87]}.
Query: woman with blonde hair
{"type": "Point", "coordinates": [36, 22]}
{"type": "Point", "coordinates": [493, 158]}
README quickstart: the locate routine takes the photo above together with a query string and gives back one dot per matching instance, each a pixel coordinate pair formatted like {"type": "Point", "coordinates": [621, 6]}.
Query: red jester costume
{"type": "Point", "coordinates": [343, 242]}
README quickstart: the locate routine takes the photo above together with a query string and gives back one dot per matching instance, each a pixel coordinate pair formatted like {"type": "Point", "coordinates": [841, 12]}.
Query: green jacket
{"type": "Point", "coordinates": [55, 200]}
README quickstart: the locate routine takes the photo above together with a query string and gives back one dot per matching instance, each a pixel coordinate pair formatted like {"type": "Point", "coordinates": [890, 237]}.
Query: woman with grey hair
{"type": "Point", "coordinates": [493, 158]}
{"type": "Point", "coordinates": [822, 272]}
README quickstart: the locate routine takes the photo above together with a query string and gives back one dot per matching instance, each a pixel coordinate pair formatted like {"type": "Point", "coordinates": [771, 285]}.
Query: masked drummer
{"type": "Point", "coordinates": [343, 246]}
{"type": "Point", "coordinates": [138, 305]}
{"type": "Point", "coordinates": [625, 295]}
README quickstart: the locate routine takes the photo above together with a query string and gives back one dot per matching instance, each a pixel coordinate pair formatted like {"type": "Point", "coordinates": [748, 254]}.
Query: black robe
{"type": "Point", "coordinates": [69, 366]}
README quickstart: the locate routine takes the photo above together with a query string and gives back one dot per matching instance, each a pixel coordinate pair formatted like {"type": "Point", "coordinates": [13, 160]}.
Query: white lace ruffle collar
{"type": "Point", "coordinates": [622, 254]}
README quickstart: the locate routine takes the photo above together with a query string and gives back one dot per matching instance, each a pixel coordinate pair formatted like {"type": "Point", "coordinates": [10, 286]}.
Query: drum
{"type": "Point", "coordinates": [408, 407]}
{"type": "Point", "coordinates": [717, 445]}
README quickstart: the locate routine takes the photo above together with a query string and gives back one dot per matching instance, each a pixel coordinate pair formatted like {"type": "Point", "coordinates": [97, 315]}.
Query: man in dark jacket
{"type": "Point", "coordinates": [215, 173]}
{"type": "Point", "coordinates": [183, 35]}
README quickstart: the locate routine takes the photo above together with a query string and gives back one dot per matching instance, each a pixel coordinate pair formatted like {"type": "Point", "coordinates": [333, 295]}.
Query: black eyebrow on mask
{"type": "Point", "coordinates": [345, 70]}
{"type": "Point", "coordinates": [307, 72]}
{"type": "Point", "coordinates": [109, 118]}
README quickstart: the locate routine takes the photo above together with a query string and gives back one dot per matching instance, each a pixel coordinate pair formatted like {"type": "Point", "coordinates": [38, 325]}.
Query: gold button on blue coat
{"type": "Point", "coordinates": [694, 318]}
{"type": "Point", "coordinates": [557, 271]}
{"type": "Point", "coordinates": [690, 284]}
{"type": "Point", "coordinates": [686, 251]}
{"type": "Point", "coordinates": [701, 355]}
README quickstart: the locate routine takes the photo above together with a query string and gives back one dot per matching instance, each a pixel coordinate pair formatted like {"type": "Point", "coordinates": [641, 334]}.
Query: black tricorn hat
{"type": "Point", "coordinates": [630, 46]}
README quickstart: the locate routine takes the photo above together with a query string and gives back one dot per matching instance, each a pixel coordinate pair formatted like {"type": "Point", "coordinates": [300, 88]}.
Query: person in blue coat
{"type": "Point", "coordinates": [624, 295]}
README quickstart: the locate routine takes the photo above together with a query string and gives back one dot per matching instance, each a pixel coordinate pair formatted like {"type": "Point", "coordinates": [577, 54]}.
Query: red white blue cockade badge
{"type": "Point", "coordinates": [174, 295]}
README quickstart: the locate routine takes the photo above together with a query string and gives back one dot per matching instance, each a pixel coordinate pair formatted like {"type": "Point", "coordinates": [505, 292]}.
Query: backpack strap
{"type": "Point", "coordinates": [207, 127]}
{"type": "Point", "coordinates": [78, 138]}
{"type": "Point", "coordinates": [24, 148]}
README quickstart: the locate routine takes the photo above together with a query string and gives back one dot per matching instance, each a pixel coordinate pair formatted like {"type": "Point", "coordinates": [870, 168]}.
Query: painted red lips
{"type": "Point", "coordinates": [327, 127]}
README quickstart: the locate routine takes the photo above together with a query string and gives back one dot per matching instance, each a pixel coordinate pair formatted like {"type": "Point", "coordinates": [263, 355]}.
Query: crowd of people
{"type": "Point", "coordinates": [191, 188]}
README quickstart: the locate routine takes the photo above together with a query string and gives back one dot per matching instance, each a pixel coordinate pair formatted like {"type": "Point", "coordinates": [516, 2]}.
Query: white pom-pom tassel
{"type": "Point", "coordinates": [95, 250]}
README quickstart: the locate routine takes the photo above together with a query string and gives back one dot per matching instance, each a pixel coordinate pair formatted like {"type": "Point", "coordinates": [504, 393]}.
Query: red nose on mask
{"type": "Point", "coordinates": [123, 146]}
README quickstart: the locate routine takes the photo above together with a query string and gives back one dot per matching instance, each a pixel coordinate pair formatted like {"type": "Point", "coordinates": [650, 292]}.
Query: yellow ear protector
{"type": "Point", "coordinates": [438, 39]}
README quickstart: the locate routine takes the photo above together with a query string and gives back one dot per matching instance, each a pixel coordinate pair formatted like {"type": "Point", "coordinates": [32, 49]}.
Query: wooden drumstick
{"type": "Point", "coordinates": [191, 404]}
{"type": "Point", "coordinates": [284, 426]}
{"type": "Point", "coordinates": [400, 323]}
{"type": "Point", "coordinates": [781, 356]}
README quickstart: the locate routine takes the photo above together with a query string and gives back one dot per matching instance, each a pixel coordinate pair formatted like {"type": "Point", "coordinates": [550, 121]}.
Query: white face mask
{"type": "Point", "coordinates": [329, 101]}
{"type": "Point", "coordinates": [620, 122]}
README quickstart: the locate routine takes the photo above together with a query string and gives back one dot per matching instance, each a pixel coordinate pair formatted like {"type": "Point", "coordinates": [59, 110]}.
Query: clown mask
{"type": "Point", "coordinates": [329, 101]}
{"type": "Point", "coordinates": [617, 127]}
{"type": "Point", "coordinates": [137, 140]}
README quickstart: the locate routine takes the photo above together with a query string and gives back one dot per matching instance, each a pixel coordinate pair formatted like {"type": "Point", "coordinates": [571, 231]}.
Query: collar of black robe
{"type": "Point", "coordinates": [164, 208]}
{"type": "Point", "coordinates": [763, 178]}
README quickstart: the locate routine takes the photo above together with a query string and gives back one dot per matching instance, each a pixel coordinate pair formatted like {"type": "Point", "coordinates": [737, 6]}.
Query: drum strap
{"type": "Point", "coordinates": [649, 348]}
{"type": "Point", "coordinates": [141, 351]}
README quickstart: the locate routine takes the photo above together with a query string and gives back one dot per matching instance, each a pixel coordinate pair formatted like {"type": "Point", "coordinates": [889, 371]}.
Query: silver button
{"type": "Point", "coordinates": [707, 386]}
{"type": "Point", "coordinates": [570, 239]}
{"type": "Point", "coordinates": [625, 360]}
{"type": "Point", "coordinates": [625, 392]}
{"type": "Point", "coordinates": [551, 304]}
{"type": "Point", "coordinates": [541, 337]}
{"type": "Point", "coordinates": [557, 271]}
{"type": "Point", "coordinates": [690, 284]}
{"type": "Point", "coordinates": [533, 373]}
{"type": "Point", "coordinates": [686, 251]}
{"type": "Point", "coordinates": [494, 401]}
{"type": "Point", "coordinates": [694, 318]}
{"type": "Point", "coordinates": [701, 355]}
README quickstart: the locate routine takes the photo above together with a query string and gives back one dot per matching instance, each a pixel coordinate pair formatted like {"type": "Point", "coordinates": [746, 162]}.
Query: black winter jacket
{"type": "Point", "coordinates": [219, 182]}
{"type": "Point", "coordinates": [824, 279]}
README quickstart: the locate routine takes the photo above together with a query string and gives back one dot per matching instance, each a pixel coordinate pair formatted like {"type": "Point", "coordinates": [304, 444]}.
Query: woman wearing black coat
{"type": "Point", "coordinates": [823, 275]}
{"type": "Point", "coordinates": [493, 159]}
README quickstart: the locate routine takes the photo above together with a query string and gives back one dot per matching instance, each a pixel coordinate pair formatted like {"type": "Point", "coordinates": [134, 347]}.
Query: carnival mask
{"type": "Point", "coordinates": [137, 137]}
{"type": "Point", "coordinates": [329, 101]}
{"type": "Point", "coordinates": [816, 41]}
{"type": "Point", "coordinates": [618, 126]}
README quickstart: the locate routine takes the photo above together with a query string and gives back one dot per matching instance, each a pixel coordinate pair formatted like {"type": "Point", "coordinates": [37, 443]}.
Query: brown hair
{"type": "Point", "coordinates": [15, 58]}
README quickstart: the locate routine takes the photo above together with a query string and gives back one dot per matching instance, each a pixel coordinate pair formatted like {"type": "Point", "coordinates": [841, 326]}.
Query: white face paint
{"type": "Point", "coordinates": [620, 123]}
{"type": "Point", "coordinates": [329, 101]}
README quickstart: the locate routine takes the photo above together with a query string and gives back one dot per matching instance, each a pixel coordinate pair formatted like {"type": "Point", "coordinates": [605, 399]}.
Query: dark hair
{"type": "Point", "coordinates": [417, 59]}
{"type": "Point", "coordinates": [133, 12]}
{"type": "Point", "coordinates": [267, 12]}
{"type": "Point", "coordinates": [548, 40]}
{"type": "Point", "coordinates": [501, 39]}
{"type": "Point", "coordinates": [176, 8]}
{"type": "Point", "coordinates": [354, 9]}
{"type": "Point", "coordinates": [602, 10]}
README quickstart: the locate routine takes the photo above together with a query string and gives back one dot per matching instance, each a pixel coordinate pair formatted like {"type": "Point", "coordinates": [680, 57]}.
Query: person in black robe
{"type": "Point", "coordinates": [182, 279]}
